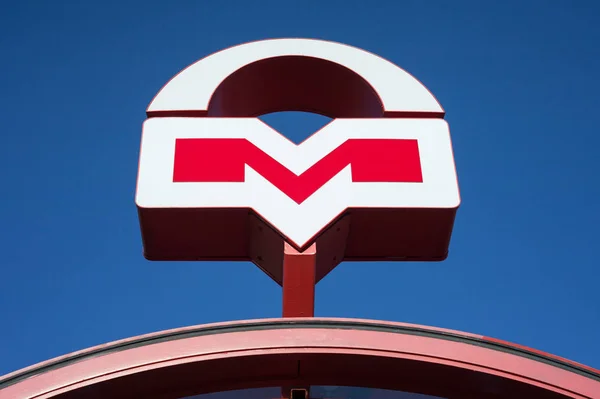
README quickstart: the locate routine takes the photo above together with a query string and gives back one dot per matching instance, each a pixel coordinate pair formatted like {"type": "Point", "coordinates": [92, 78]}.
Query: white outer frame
{"type": "Point", "coordinates": [298, 222]}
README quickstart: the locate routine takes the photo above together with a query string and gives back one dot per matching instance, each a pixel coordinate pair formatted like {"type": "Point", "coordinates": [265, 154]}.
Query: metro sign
{"type": "Point", "coordinates": [380, 175]}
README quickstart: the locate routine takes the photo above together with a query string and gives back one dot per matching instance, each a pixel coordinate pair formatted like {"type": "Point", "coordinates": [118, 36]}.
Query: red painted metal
{"type": "Point", "coordinates": [303, 352]}
{"type": "Point", "coordinates": [295, 83]}
{"type": "Point", "coordinates": [299, 271]}
{"type": "Point", "coordinates": [224, 234]}
{"type": "Point", "coordinates": [265, 248]}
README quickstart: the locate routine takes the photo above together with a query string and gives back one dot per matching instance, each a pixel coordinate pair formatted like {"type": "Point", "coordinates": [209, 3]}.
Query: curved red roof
{"type": "Point", "coordinates": [304, 352]}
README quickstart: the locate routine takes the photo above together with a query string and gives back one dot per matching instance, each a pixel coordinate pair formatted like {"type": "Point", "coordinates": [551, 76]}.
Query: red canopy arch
{"type": "Point", "coordinates": [292, 352]}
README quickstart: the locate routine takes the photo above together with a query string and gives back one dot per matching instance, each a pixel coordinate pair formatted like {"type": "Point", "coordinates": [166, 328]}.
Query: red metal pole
{"type": "Point", "coordinates": [299, 270]}
{"type": "Point", "coordinates": [299, 279]}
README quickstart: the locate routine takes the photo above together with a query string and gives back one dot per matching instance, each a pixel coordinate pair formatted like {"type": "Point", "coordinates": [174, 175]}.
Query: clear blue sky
{"type": "Point", "coordinates": [519, 82]}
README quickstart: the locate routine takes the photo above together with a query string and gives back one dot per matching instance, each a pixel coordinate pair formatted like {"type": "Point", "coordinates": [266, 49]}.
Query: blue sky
{"type": "Point", "coordinates": [518, 80]}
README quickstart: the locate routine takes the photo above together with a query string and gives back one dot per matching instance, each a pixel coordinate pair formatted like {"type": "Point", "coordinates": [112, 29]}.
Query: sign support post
{"type": "Point", "coordinates": [299, 271]}
{"type": "Point", "coordinates": [298, 286]}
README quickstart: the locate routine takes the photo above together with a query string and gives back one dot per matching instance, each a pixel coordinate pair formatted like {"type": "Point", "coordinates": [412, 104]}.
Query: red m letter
{"type": "Point", "coordinates": [371, 160]}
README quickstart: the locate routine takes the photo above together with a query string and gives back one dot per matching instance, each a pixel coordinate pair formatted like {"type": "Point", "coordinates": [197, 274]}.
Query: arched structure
{"type": "Point", "coordinates": [304, 352]}
{"type": "Point", "coordinates": [190, 92]}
